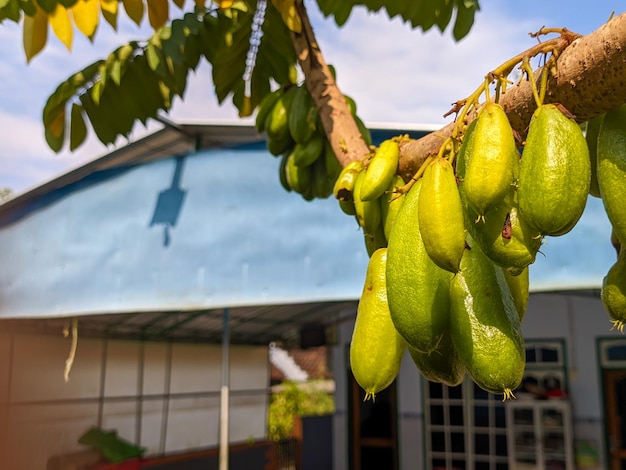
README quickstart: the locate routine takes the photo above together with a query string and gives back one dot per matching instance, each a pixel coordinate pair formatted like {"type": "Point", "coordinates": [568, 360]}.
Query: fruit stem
{"type": "Point", "coordinates": [526, 68]}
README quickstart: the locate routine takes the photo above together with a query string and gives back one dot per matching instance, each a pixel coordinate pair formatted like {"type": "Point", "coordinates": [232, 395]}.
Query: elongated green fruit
{"type": "Point", "coordinates": [441, 218]}
{"type": "Point", "coordinates": [265, 107]}
{"type": "Point", "coordinates": [376, 348]}
{"type": "Point", "coordinates": [613, 293]}
{"type": "Point", "coordinates": [612, 169]}
{"type": "Point", "coordinates": [493, 160]}
{"type": "Point", "coordinates": [390, 204]}
{"type": "Point", "coordinates": [279, 139]}
{"type": "Point", "coordinates": [367, 212]}
{"type": "Point", "coordinates": [484, 324]}
{"type": "Point", "coordinates": [591, 136]}
{"type": "Point", "coordinates": [344, 186]}
{"type": "Point", "coordinates": [282, 173]}
{"type": "Point", "coordinates": [417, 288]}
{"type": "Point", "coordinates": [302, 115]}
{"type": "Point", "coordinates": [519, 285]}
{"type": "Point", "coordinates": [306, 153]}
{"type": "Point", "coordinates": [441, 365]}
{"type": "Point", "coordinates": [555, 172]}
{"type": "Point", "coordinates": [380, 171]}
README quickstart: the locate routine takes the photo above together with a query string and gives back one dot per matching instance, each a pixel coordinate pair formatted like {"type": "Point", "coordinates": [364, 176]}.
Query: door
{"type": "Point", "coordinates": [373, 429]}
{"type": "Point", "coordinates": [615, 412]}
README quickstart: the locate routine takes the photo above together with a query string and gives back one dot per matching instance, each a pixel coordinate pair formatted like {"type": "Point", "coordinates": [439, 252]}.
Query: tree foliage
{"type": "Point", "coordinates": [142, 78]}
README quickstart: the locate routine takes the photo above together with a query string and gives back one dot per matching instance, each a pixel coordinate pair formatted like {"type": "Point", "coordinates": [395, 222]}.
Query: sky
{"type": "Point", "coordinates": [395, 74]}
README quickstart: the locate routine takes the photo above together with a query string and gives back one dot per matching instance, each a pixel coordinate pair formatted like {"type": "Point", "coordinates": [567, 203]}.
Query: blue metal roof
{"type": "Point", "coordinates": [212, 229]}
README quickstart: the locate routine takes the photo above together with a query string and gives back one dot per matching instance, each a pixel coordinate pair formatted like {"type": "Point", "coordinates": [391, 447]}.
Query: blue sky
{"type": "Point", "coordinates": [396, 75]}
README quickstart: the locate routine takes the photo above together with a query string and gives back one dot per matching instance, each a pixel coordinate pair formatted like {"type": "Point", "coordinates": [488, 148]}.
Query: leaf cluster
{"type": "Point", "coordinates": [140, 79]}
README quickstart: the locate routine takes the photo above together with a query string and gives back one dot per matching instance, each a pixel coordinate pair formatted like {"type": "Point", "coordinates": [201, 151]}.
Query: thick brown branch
{"type": "Point", "coordinates": [590, 80]}
{"type": "Point", "coordinates": [339, 125]}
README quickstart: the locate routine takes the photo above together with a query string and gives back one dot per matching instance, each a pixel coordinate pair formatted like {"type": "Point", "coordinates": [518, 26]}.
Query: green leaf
{"type": "Point", "coordinates": [78, 129]}
{"type": "Point", "coordinates": [47, 5]}
{"type": "Point", "coordinates": [466, 9]}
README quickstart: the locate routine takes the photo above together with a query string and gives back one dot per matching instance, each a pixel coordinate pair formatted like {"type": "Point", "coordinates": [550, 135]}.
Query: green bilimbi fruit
{"type": "Point", "coordinates": [299, 178]}
{"type": "Point", "coordinates": [591, 136]}
{"type": "Point", "coordinates": [380, 170]}
{"type": "Point", "coordinates": [612, 168]}
{"type": "Point", "coordinates": [502, 235]}
{"type": "Point", "coordinates": [265, 107]}
{"type": "Point", "coordinates": [441, 365]}
{"type": "Point", "coordinates": [322, 183]}
{"type": "Point", "coordinates": [282, 173]}
{"type": "Point", "coordinates": [555, 172]}
{"type": "Point", "coordinates": [306, 153]}
{"type": "Point", "coordinates": [441, 219]}
{"type": "Point", "coordinates": [333, 167]}
{"type": "Point", "coordinates": [613, 293]}
{"type": "Point", "coordinates": [376, 348]}
{"type": "Point", "coordinates": [484, 324]}
{"type": "Point", "coordinates": [375, 240]}
{"type": "Point", "coordinates": [344, 186]}
{"type": "Point", "coordinates": [279, 138]}
{"type": "Point", "coordinates": [302, 116]}
{"type": "Point", "coordinates": [418, 289]}
{"type": "Point", "coordinates": [367, 212]}
{"type": "Point", "coordinates": [492, 159]}
{"type": "Point", "coordinates": [390, 204]}
{"type": "Point", "coordinates": [519, 285]}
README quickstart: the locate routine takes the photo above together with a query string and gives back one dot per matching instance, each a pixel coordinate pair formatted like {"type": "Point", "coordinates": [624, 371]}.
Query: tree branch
{"type": "Point", "coordinates": [590, 80]}
{"type": "Point", "coordinates": [339, 125]}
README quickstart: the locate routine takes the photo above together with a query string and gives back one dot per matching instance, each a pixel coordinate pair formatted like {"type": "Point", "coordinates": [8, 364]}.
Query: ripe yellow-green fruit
{"type": "Point", "coordinates": [484, 324]}
{"type": "Point", "coordinates": [376, 348]}
{"type": "Point", "coordinates": [613, 293]}
{"type": "Point", "coordinates": [519, 285]}
{"type": "Point", "coordinates": [492, 159]}
{"type": "Point", "coordinates": [441, 219]}
{"type": "Point", "coordinates": [418, 289]}
{"type": "Point", "coordinates": [591, 136]}
{"type": "Point", "coordinates": [612, 168]}
{"type": "Point", "coordinates": [390, 204]}
{"type": "Point", "coordinates": [555, 172]}
{"type": "Point", "coordinates": [380, 170]}
{"type": "Point", "coordinates": [306, 153]}
{"type": "Point", "coordinates": [367, 212]}
{"type": "Point", "coordinates": [344, 186]}
{"type": "Point", "coordinates": [502, 235]}
{"type": "Point", "coordinates": [441, 365]}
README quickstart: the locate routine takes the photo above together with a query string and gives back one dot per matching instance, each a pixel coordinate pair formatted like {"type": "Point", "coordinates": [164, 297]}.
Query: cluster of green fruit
{"type": "Point", "coordinates": [450, 251]}
{"type": "Point", "coordinates": [291, 122]}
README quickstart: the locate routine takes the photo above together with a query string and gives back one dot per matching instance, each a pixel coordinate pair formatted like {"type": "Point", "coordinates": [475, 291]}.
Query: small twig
{"type": "Point", "coordinates": [69, 362]}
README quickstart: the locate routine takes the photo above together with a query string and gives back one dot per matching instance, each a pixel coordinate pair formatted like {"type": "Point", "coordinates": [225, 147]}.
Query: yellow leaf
{"type": "Point", "coordinates": [158, 12]}
{"type": "Point", "coordinates": [179, 3]}
{"type": "Point", "coordinates": [62, 25]}
{"type": "Point", "coordinates": [224, 3]}
{"type": "Point", "coordinates": [288, 12]}
{"type": "Point", "coordinates": [134, 10]}
{"type": "Point", "coordinates": [57, 125]}
{"type": "Point", "coordinates": [109, 11]}
{"type": "Point", "coordinates": [35, 32]}
{"type": "Point", "coordinates": [86, 16]}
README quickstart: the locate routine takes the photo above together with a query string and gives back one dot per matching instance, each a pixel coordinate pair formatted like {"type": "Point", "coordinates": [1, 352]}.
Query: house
{"type": "Point", "coordinates": [178, 259]}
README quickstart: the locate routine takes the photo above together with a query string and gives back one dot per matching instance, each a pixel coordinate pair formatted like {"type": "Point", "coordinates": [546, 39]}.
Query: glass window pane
{"type": "Point", "coordinates": [501, 444]}
{"type": "Point", "coordinates": [375, 458]}
{"type": "Point", "coordinates": [437, 442]}
{"type": "Point", "coordinates": [481, 444]}
{"type": "Point", "coordinates": [435, 390]}
{"type": "Point", "coordinates": [436, 414]}
{"type": "Point", "coordinates": [457, 440]}
{"type": "Point", "coordinates": [480, 394]}
{"type": "Point", "coordinates": [531, 355]}
{"type": "Point", "coordinates": [456, 415]}
{"type": "Point", "coordinates": [455, 392]}
{"type": "Point", "coordinates": [481, 416]}
{"type": "Point", "coordinates": [549, 354]}
{"type": "Point", "coordinates": [616, 353]}
{"type": "Point", "coordinates": [500, 417]}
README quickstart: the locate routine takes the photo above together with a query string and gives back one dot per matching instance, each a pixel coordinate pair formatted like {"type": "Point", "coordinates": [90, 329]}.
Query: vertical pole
{"type": "Point", "coordinates": [223, 455]}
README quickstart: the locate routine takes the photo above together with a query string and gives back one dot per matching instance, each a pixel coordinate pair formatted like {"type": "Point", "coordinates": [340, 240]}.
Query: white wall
{"type": "Point", "coordinates": [164, 397]}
